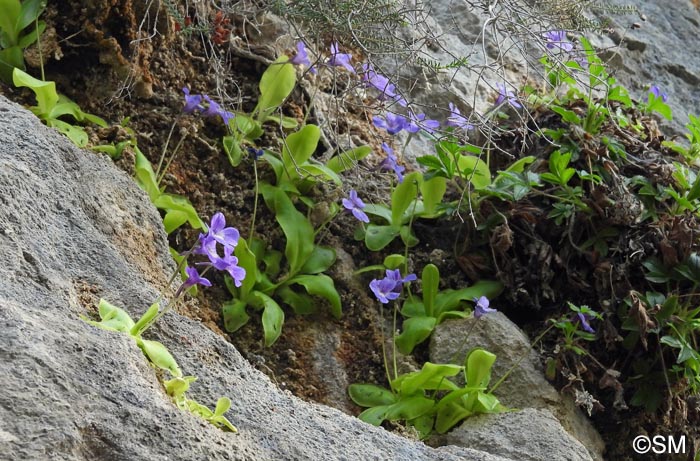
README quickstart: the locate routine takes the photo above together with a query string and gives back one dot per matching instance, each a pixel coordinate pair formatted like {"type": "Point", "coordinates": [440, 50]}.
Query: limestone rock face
{"type": "Point", "coordinates": [659, 52]}
{"type": "Point", "coordinates": [73, 228]}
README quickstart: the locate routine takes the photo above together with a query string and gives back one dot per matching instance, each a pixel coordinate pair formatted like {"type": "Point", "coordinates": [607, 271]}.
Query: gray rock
{"type": "Point", "coordinates": [73, 229]}
{"type": "Point", "coordinates": [526, 386]}
{"type": "Point", "coordinates": [659, 52]}
{"type": "Point", "coordinates": [326, 365]}
{"type": "Point", "coordinates": [507, 434]}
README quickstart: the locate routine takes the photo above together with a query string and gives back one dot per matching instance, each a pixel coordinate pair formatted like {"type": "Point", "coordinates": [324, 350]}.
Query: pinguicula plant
{"type": "Point", "coordinates": [427, 399]}
{"type": "Point", "coordinates": [423, 315]}
{"type": "Point", "coordinates": [276, 84]}
{"type": "Point", "coordinates": [295, 169]}
{"type": "Point", "coordinates": [217, 239]}
{"type": "Point", "coordinates": [301, 280]}
{"type": "Point", "coordinates": [405, 206]}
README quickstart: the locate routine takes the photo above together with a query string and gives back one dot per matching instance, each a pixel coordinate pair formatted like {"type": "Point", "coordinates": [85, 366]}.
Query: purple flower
{"type": "Point", "coordinates": [390, 286]}
{"type": "Point", "coordinates": [581, 61]}
{"type": "Point", "coordinates": [193, 278]}
{"type": "Point", "coordinates": [390, 163]}
{"type": "Point", "coordinates": [340, 59]}
{"type": "Point", "coordinates": [457, 120]}
{"type": "Point", "coordinates": [418, 122]}
{"type": "Point", "coordinates": [227, 236]}
{"type": "Point", "coordinates": [482, 307]}
{"type": "Point", "coordinates": [217, 232]}
{"type": "Point", "coordinates": [207, 246]}
{"type": "Point", "coordinates": [192, 102]}
{"type": "Point", "coordinates": [229, 263]}
{"type": "Point", "coordinates": [507, 95]}
{"type": "Point", "coordinates": [376, 80]}
{"type": "Point", "coordinates": [557, 39]}
{"type": "Point", "coordinates": [215, 109]}
{"type": "Point", "coordinates": [382, 83]}
{"type": "Point", "coordinates": [583, 319]}
{"type": "Point", "coordinates": [257, 153]}
{"type": "Point", "coordinates": [395, 276]}
{"type": "Point", "coordinates": [383, 290]}
{"type": "Point", "coordinates": [356, 205]}
{"type": "Point", "coordinates": [302, 57]}
{"type": "Point", "coordinates": [656, 91]}
{"type": "Point", "coordinates": [394, 123]}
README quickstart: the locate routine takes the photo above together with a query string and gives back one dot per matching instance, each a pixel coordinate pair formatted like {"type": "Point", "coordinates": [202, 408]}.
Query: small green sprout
{"type": "Point", "coordinates": [51, 106]}
{"type": "Point", "coordinates": [577, 326]}
{"type": "Point", "coordinates": [296, 286]}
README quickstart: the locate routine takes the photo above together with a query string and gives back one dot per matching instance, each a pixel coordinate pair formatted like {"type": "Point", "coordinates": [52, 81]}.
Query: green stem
{"type": "Point", "coordinates": [165, 149]}
{"type": "Point", "coordinates": [515, 365]}
{"type": "Point", "coordinates": [171, 304]}
{"type": "Point", "coordinates": [38, 45]}
{"type": "Point", "coordinates": [255, 204]}
{"type": "Point", "coordinates": [170, 281]}
{"type": "Point", "coordinates": [383, 339]}
{"type": "Point", "coordinates": [464, 341]}
{"type": "Point", "coordinates": [170, 160]}
{"type": "Point", "coordinates": [393, 341]}
{"type": "Point", "coordinates": [582, 206]}
{"type": "Point", "coordinates": [410, 226]}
